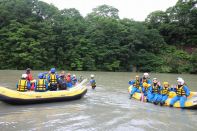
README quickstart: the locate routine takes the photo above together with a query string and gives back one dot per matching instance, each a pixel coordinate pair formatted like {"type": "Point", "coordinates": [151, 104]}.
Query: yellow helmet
{"type": "Point", "coordinates": [165, 83]}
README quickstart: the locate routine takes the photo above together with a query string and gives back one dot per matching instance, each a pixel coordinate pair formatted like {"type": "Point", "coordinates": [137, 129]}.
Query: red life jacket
{"type": "Point", "coordinates": [68, 79]}
{"type": "Point", "coordinates": [29, 77]}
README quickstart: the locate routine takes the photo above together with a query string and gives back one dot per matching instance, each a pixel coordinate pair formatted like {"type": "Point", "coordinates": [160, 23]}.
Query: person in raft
{"type": "Point", "coordinates": [53, 80]}
{"type": "Point", "coordinates": [145, 78]}
{"type": "Point", "coordinates": [164, 92]}
{"type": "Point", "coordinates": [182, 92]}
{"type": "Point", "coordinates": [41, 85]}
{"type": "Point", "coordinates": [136, 86]}
{"type": "Point", "coordinates": [68, 81]}
{"type": "Point", "coordinates": [156, 87]}
{"type": "Point", "coordinates": [30, 78]}
{"type": "Point", "coordinates": [23, 84]}
{"type": "Point", "coordinates": [147, 91]}
{"type": "Point", "coordinates": [74, 80]}
{"type": "Point", "coordinates": [146, 85]}
{"type": "Point", "coordinates": [62, 81]}
{"type": "Point", "coordinates": [92, 81]}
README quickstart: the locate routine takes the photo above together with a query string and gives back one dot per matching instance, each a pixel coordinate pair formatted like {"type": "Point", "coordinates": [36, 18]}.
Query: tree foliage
{"type": "Point", "coordinates": [38, 35]}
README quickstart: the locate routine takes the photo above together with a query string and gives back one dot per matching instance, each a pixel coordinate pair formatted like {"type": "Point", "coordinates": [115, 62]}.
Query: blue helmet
{"type": "Point", "coordinates": [53, 70]}
{"type": "Point", "coordinates": [40, 75]}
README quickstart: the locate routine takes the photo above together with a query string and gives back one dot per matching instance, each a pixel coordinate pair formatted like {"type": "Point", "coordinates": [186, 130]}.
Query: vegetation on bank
{"type": "Point", "coordinates": [37, 35]}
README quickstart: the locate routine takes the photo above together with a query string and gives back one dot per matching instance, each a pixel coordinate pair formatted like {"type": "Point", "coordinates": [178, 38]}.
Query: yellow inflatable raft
{"type": "Point", "coordinates": [31, 97]}
{"type": "Point", "coordinates": [191, 102]}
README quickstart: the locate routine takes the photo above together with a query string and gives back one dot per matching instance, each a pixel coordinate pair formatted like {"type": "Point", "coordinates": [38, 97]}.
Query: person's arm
{"type": "Point", "coordinates": [48, 78]}
{"type": "Point", "coordinates": [149, 82]}
{"type": "Point", "coordinates": [35, 85]}
{"type": "Point", "coordinates": [131, 82]}
{"type": "Point", "coordinates": [150, 89]}
{"type": "Point", "coordinates": [142, 89]}
{"type": "Point", "coordinates": [28, 85]}
{"type": "Point", "coordinates": [46, 84]}
{"type": "Point", "coordinates": [187, 91]}
{"type": "Point", "coordinates": [160, 88]}
{"type": "Point", "coordinates": [57, 76]}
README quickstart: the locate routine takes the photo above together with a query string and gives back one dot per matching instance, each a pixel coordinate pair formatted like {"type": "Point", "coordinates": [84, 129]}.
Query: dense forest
{"type": "Point", "coordinates": [38, 35]}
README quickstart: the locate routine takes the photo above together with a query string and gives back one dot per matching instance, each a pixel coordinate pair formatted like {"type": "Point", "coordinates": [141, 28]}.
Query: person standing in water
{"type": "Point", "coordinates": [92, 81]}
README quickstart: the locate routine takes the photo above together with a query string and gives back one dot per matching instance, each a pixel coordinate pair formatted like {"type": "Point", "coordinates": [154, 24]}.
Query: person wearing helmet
{"type": "Point", "coordinates": [74, 79]}
{"type": "Point", "coordinates": [156, 87]}
{"type": "Point", "coordinates": [62, 81]}
{"type": "Point", "coordinates": [53, 80]}
{"type": "Point", "coordinates": [145, 79]}
{"type": "Point", "coordinates": [92, 81]}
{"type": "Point", "coordinates": [164, 92]}
{"type": "Point", "coordinates": [68, 81]}
{"type": "Point", "coordinates": [29, 75]}
{"type": "Point", "coordinates": [23, 84]}
{"type": "Point", "coordinates": [147, 91]}
{"type": "Point", "coordinates": [136, 86]}
{"type": "Point", "coordinates": [182, 92]}
{"type": "Point", "coordinates": [41, 85]}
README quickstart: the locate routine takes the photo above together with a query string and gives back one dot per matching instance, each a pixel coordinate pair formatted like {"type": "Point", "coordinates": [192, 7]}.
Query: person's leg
{"type": "Point", "coordinates": [155, 98]}
{"type": "Point", "coordinates": [150, 96]}
{"type": "Point", "coordinates": [164, 98]}
{"type": "Point", "coordinates": [134, 89]}
{"type": "Point", "coordinates": [182, 101]}
{"type": "Point", "coordinates": [138, 90]}
{"type": "Point", "coordinates": [159, 98]}
{"type": "Point", "coordinates": [175, 99]}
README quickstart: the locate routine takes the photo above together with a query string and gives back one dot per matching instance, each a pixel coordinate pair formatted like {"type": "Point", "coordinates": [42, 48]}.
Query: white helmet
{"type": "Point", "coordinates": [91, 75]}
{"type": "Point", "coordinates": [181, 81]}
{"type": "Point", "coordinates": [146, 74]}
{"type": "Point", "coordinates": [154, 78]}
{"type": "Point", "coordinates": [74, 75]}
{"type": "Point", "coordinates": [24, 76]}
{"type": "Point", "coordinates": [179, 78]}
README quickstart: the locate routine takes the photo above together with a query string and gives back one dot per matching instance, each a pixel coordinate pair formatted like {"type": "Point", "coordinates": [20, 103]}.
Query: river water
{"type": "Point", "coordinates": [106, 108]}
